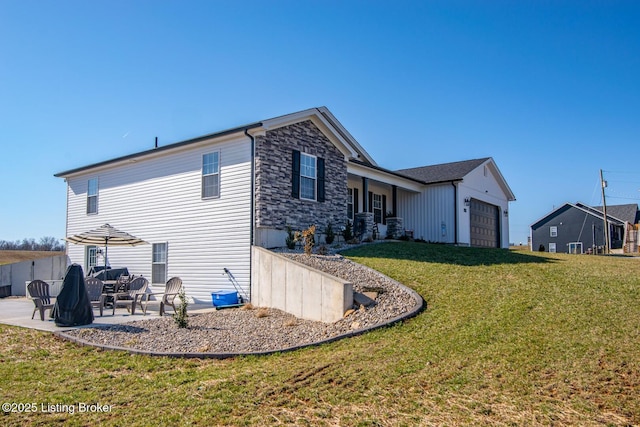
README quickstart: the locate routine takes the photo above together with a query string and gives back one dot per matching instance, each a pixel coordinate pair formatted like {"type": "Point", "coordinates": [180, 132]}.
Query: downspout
{"type": "Point", "coordinates": [66, 224]}
{"type": "Point", "coordinates": [253, 206]}
{"type": "Point", "coordinates": [455, 213]}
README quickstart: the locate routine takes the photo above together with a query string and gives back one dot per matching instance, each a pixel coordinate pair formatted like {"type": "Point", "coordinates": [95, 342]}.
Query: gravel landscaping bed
{"type": "Point", "coordinates": [260, 330]}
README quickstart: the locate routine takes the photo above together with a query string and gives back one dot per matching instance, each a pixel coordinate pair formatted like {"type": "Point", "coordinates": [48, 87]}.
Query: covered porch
{"type": "Point", "coordinates": [372, 200]}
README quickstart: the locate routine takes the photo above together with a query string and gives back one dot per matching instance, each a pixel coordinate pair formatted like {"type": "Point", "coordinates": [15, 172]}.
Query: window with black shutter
{"type": "Point", "coordinates": [307, 177]}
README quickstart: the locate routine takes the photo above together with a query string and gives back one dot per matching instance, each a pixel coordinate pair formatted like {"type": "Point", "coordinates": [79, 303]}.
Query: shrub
{"type": "Point", "coordinates": [329, 234]}
{"type": "Point", "coordinates": [291, 238]}
{"type": "Point", "coordinates": [180, 316]}
{"type": "Point", "coordinates": [308, 239]}
{"type": "Point", "coordinates": [347, 233]}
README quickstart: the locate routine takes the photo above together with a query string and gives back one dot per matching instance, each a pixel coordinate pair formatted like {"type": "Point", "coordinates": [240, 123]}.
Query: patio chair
{"type": "Point", "coordinates": [133, 297]}
{"type": "Point", "coordinates": [39, 292]}
{"type": "Point", "coordinates": [171, 291]}
{"type": "Point", "coordinates": [122, 282]}
{"type": "Point", "coordinates": [95, 290]}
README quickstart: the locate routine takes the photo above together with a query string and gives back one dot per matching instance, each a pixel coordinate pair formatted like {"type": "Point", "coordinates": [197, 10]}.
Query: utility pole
{"type": "Point", "coordinates": [604, 211]}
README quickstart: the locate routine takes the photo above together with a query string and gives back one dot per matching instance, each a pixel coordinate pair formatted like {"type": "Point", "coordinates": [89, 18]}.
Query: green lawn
{"type": "Point", "coordinates": [508, 338]}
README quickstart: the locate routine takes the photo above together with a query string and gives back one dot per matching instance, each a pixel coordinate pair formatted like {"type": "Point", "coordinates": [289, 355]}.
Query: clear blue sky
{"type": "Point", "coordinates": [549, 89]}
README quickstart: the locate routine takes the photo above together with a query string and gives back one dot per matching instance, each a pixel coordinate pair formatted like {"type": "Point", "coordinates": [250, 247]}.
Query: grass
{"type": "Point", "coordinates": [508, 338]}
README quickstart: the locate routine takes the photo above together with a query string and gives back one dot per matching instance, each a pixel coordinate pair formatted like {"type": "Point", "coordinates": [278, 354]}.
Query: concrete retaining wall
{"type": "Point", "coordinates": [279, 282]}
{"type": "Point", "coordinates": [46, 269]}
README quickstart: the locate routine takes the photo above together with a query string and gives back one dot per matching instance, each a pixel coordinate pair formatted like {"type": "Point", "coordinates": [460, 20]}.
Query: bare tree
{"type": "Point", "coordinates": [45, 244]}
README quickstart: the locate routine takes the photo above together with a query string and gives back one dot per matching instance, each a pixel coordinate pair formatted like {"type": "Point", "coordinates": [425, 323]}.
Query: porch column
{"type": "Point", "coordinates": [365, 194]}
{"type": "Point", "coordinates": [394, 200]}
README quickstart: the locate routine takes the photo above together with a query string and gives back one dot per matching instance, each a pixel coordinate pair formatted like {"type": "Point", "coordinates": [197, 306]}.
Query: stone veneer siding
{"type": "Point", "coordinates": [275, 206]}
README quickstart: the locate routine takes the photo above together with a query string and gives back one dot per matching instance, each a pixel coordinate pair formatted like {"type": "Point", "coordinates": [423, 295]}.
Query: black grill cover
{"type": "Point", "coordinates": [73, 307]}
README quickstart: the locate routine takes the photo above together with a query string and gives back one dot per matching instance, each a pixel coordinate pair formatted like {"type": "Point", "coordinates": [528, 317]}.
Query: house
{"type": "Point", "coordinates": [579, 228]}
{"type": "Point", "coordinates": [203, 203]}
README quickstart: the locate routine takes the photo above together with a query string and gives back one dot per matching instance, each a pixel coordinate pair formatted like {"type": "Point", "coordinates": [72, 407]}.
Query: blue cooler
{"type": "Point", "coordinates": [223, 298]}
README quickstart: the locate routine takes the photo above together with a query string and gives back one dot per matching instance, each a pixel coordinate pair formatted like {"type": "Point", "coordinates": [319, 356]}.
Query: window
{"type": "Point", "coordinates": [552, 247]}
{"type": "Point", "coordinates": [378, 205]}
{"type": "Point", "coordinates": [91, 257]}
{"type": "Point", "coordinates": [377, 208]}
{"type": "Point", "coordinates": [307, 177]}
{"type": "Point", "coordinates": [159, 263]}
{"type": "Point", "coordinates": [350, 203]}
{"type": "Point", "coordinates": [553, 231]}
{"type": "Point", "coordinates": [211, 175]}
{"type": "Point", "coordinates": [92, 196]}
{"type": "Point", "coordinates": [575, 248]}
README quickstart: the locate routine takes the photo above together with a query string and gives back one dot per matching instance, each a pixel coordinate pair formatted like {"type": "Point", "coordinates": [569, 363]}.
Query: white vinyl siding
{"type": "Point", "coordinates": [308, 177]}
{"type": "Point", "coordinates": [92, 196]}
{"type": "Point", "coordinates": [159, 199]}
{"type": "Point", "coordinates": [424, 213]}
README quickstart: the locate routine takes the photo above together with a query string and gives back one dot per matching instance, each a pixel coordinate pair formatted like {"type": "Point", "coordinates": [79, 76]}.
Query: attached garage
{"type": "Point", "coordinates": [485, 224]}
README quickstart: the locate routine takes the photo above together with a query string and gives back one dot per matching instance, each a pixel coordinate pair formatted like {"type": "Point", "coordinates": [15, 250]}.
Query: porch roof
{"type": "Point", "coordinates": [377, 173]}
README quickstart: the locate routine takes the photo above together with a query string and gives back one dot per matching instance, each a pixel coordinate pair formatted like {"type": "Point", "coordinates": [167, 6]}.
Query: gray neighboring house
{"type": "Point", "coordinates": [203, 203]}
{"type": "Point", "coordinates": [579, 228]}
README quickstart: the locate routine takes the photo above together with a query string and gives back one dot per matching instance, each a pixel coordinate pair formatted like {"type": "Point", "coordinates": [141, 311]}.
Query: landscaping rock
{"type": "Point", "coordinates": [239, 331]}
{"type": "Point", "coordinates": [362, 299]}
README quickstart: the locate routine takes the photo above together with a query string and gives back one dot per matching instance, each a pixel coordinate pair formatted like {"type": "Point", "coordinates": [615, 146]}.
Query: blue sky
{"type": "Point", "coordinates": [549, 89]}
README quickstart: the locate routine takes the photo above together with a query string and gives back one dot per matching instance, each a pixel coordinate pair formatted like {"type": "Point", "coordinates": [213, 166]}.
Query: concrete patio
{"type": "Point", "coordinates": [16, 311]}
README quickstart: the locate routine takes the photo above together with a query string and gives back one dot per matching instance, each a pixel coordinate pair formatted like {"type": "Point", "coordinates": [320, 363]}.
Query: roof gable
{"type": "Point", "coordinates": [593, 211]}
{"type": "Point", "coordinates": [329, 125]}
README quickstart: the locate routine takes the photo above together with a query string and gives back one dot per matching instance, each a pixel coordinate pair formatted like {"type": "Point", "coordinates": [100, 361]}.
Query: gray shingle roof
{"type": "Point", "coordinates": [627, 213]}
{"type": "Point", "coordinates": [443, 172]}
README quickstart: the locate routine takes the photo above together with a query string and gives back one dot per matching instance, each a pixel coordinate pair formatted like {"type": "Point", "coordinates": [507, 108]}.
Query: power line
{"type": "Point", "coordinates": [624, 172]}
{"type": "Point", "coordinates": [626, 198]}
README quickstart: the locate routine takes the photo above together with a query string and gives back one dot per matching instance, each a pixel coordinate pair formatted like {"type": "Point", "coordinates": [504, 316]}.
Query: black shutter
{"type": "Point", "coordinates": [320, 179]}
{"type": "Point", "coordinates": [295, 175]}
{"type": "Point", "coordinates": [356, 202]}
{"type": "Point", "coordinates": [370, 201]}
{"type": "Point", "coordinates": [384, 209]}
